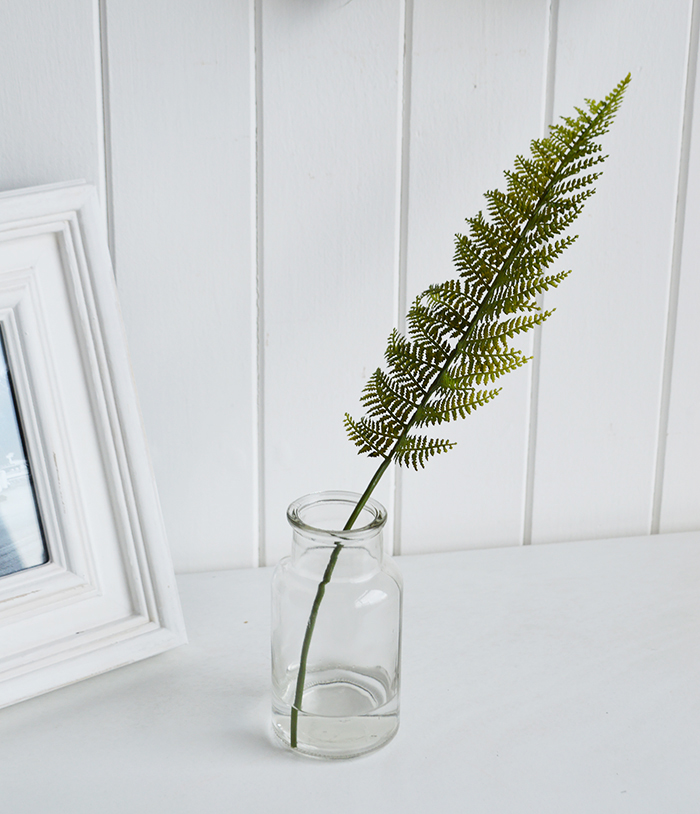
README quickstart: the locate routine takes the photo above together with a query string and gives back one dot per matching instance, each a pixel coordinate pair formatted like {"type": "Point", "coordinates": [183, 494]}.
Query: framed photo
{"type": "Point", "coordinates": [86, 580]}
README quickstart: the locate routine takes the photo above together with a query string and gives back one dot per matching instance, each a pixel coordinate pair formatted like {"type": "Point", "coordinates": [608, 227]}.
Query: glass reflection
{"type": "Point", "coordinates": [22, 543]}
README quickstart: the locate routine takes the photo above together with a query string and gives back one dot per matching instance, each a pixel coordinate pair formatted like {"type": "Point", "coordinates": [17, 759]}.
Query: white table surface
{"type": "Point", "coordinates": [560, 678]}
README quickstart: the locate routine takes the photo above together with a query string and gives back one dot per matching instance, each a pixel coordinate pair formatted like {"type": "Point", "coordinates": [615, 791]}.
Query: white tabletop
{"type": "Point", "coordinates": [559, 678]}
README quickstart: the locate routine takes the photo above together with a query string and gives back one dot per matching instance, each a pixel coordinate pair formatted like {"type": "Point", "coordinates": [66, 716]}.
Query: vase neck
{"type": "Point", "coordinates": [318, 522]}
{"type": "Point", "coordinates": [308, 541]}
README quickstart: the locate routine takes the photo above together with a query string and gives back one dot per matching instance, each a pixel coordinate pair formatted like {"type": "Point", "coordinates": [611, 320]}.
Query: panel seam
{"type": "Point", "coordinates": [402, 193]}
{"type": "Point", "coordinates": [676, 259]}
{"type": "Point", "coordinates": [533, 418]}
{"type": "Point", "coordinates": [108, 203]}
{"type": "Point", "coordinates": [258, 291]}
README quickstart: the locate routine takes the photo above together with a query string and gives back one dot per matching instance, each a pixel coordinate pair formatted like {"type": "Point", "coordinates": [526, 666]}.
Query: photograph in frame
{"type": "Point", "coordinates": [22, 542]}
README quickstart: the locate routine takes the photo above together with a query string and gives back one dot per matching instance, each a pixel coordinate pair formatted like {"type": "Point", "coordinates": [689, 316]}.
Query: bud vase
{"type": "Point", "coordinates": [336, 620]}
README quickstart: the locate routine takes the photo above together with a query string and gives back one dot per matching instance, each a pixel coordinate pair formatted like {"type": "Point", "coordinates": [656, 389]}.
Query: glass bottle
{"type": "Point", "coordinates": [350, 699]}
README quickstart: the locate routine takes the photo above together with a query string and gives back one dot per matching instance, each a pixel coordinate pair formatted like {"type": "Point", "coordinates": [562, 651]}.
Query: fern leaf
{"type": "Point", "coordinates": [458, 331]}
{"type": "Point", "coordinates": [414, 450]}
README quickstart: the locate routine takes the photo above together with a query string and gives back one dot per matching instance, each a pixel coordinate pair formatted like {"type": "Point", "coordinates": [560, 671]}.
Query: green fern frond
{"type": "Point", "coordinates": [458, 331]}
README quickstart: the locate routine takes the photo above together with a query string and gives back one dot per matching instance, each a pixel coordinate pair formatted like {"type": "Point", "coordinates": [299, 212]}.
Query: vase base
{"type": "Point", "coordinates": [337, 738]}
{"type": "Point", "coordinates": [364, 718]}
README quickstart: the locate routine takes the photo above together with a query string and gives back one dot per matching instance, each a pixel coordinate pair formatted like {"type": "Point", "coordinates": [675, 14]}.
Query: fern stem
{"type": "Point", "coordinates": [555, 177]}
{"type": "Point", "coordinates": [310, 625]}
{"type": "Point", "coordinates": [320, 591]}
{"type": "Point", "coordinates": [368, 491]}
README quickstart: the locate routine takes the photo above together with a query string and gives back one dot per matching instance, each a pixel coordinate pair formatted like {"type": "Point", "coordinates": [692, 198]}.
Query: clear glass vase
{"type": "Point", "coordinates": [336, 614]}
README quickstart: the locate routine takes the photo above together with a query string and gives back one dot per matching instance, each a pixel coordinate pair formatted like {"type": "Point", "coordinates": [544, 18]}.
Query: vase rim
{"type": "Point", "coordinates": [374, 507]}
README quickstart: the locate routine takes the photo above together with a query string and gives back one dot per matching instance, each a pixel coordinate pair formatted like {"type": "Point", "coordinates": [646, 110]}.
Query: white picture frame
{"type": "Point", "coordinates": [106, 597]}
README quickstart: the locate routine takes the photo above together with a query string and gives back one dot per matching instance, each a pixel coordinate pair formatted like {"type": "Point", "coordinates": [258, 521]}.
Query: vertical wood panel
{"type": "Point", "coordinates": [50, 95]}
{"type": "Point", "coordinates": [330, 125]}
{"type": "Point", "coordinates": [478, 96]}
{"type": "Point", "coordinates": [680, 508]}
{"type": "Point", "coordinates": [181, 126]}
{"type": "Point", "coordinates": [602, 355]}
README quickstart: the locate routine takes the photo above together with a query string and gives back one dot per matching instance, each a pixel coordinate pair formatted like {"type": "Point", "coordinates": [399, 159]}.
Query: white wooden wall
{"type": "Point", "coordinates": [281, 177]}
